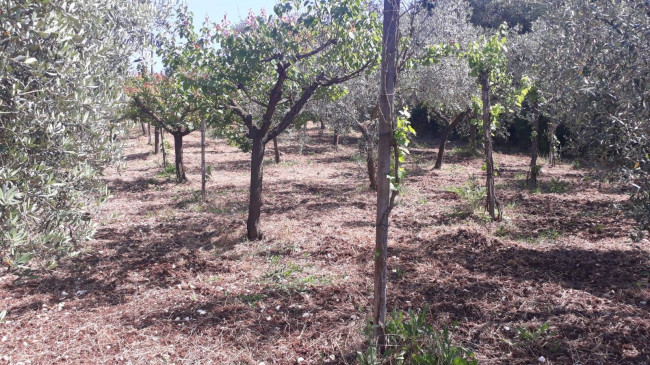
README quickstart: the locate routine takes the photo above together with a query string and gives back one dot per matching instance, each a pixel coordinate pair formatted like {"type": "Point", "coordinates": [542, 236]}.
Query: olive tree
{"type": "Point", "coordinates": [61, 65]}
{"type": "Point", "coordinates": [591, 62]}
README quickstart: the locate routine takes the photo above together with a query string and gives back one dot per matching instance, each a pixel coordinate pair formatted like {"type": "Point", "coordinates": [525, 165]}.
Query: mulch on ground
{"type": "Point", "coordinates": [172, 280]}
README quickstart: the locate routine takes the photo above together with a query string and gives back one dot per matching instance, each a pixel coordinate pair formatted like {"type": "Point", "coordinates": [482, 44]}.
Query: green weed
{"type": "Point", "coordinates": [411, 340]}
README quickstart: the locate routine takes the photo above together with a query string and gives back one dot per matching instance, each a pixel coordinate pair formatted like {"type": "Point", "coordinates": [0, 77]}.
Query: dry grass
{"type": "Point", "coordinates": [172, 280]}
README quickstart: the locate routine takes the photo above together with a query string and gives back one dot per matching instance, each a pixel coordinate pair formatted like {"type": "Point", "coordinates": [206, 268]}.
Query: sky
{"type": "Point", "coordinates": [236, 9]}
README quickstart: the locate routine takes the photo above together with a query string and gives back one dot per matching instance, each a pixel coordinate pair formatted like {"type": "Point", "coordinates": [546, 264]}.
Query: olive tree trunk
{"type": "Point", "coordinates": [388, 77]}
{"type": "Point", "coordinates": [445, 136]}
{"type": "Point", "coordinates": [551, 144]}
{"type": "Point", "coordinates": [534, 143]}
{"type": "Point", "coordinates": [369, 150]}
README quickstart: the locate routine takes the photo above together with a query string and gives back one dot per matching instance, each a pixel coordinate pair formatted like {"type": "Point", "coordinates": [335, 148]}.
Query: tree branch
{"type": "Point", "coordinates": [317, 50]}
{"type": "Point", "coordinates": [246, 117]}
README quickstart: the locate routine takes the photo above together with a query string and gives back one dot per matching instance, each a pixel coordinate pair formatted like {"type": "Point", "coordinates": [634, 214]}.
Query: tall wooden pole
{"type": "Point", "coordinates": [387, 115]}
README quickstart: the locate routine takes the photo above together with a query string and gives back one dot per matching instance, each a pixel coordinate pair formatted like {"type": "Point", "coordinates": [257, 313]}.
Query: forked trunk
{"type": "Point", "coordinates": [534, 142]}
{"type": "Point", "coordinates": [255, 198]}
{"type": "Point", "coordinates": [445, 135]}
{"type": "Point", "coordinates": [487, 136]}
{"type": "Point", "coordinates": [276, 150]}
{"type": "Point", "coordinates": [178, 151]}
{"type": "Point", "coordinates": [388, 77]}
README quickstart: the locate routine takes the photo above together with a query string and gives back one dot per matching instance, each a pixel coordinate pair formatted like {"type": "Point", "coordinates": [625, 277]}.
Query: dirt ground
{"type": "Point", "coordinates": [171, 280]}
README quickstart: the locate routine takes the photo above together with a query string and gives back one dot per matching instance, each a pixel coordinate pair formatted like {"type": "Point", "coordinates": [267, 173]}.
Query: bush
{"type": "Point", "coordinates": [413, 341]}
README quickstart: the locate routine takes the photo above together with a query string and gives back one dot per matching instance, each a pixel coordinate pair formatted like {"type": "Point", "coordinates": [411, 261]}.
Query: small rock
{"type": "Point", "coordinates": [506, 328]}
{"type": "Point", "coordinates": [300, 359]}
{"type": "Point", "coordinates": [201, 312]}
{"type": "Point", "coordinates": [541, 359]}
{"type": "Point", "coordinates": [643, 302]}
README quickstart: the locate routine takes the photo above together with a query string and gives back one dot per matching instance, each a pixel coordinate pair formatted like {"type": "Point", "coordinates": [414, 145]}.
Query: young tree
{"type": "Point", "coordinates": [60, 68]}
{"type": "Point", "coordinates": [303, 47]}
{"type": "Point", "coordinates": [487, 61]}
{"type": "Point", "coordinates": [171, 104]}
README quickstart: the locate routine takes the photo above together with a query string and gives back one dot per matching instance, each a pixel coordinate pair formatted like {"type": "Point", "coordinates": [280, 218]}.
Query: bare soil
{"type": "Point", "coordinates": [172, 280]}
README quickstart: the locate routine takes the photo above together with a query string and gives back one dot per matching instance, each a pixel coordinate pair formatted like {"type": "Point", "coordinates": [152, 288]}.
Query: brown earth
{"type": "Point", "coordinates": [172, 280]}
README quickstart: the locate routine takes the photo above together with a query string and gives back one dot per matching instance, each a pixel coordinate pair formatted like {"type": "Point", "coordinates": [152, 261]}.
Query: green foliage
{"type": "Point", "coordinates": [167, 172]}
{"type": "Point", "coordinates": [411, 340]}
{"type": "Point", "coordinates": [302, 50]}
{"type": "Point", "coordinates": [60, 99]}
{"type": "Point", "coordinates": [472, 193]}
{"type": "Point", "coordinates": [402, 134]}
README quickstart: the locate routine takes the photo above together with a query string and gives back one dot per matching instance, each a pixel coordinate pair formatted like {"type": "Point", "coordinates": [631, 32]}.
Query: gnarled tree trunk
{"type": "Point", "coordinates": [534, 142]}
{"type": "Point", "coordinates": [255, 197]}
{"type": "Point", "coordinates": [551, 144]}
{"type": "Point", "coordinates": [487, 136]}
{"type": "Point", "coordinates": [445, 135]}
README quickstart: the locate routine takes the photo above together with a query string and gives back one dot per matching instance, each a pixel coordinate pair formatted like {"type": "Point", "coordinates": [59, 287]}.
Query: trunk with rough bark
{"type": "Point", "coordinates": [255, 196]}
{"type": "Point", "coordinates": [386, 104]}
{"type": "Point", "coordinates": [473, 132]}
{"type": "Point", "coordinates": [156, 140]}
{"type": "Point", "coordinates": [203, 172]}
{"type": "Point", "coordinates": [276, 150]}
{"type": "Point", "coordinates": [178, 152]}
{"type": "Point", "coordinates": [322, 124]}
{"type": "Point", "coordinates": [336, 139]}
{"type": "Point", "coordinates": [445, 135]}
{"type": "Point", "coordinates": [487, 136]}
{"type": "Point", "coordinates": [534, 142]}
{"type": "Point", "coordinates": [144, 128]}
{"type": "Point", "coordinates": [372, 174]}
{"type": "Point", "coordinates": [149, 133]}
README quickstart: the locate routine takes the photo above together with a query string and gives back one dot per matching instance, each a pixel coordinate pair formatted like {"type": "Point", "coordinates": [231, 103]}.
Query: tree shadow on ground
{"type": "Point", "coordinates": [142, 255]}
{"type": "Point", "coordinates": [137, 186]}
{"type": "Point", "coordinates": [596, 272]}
